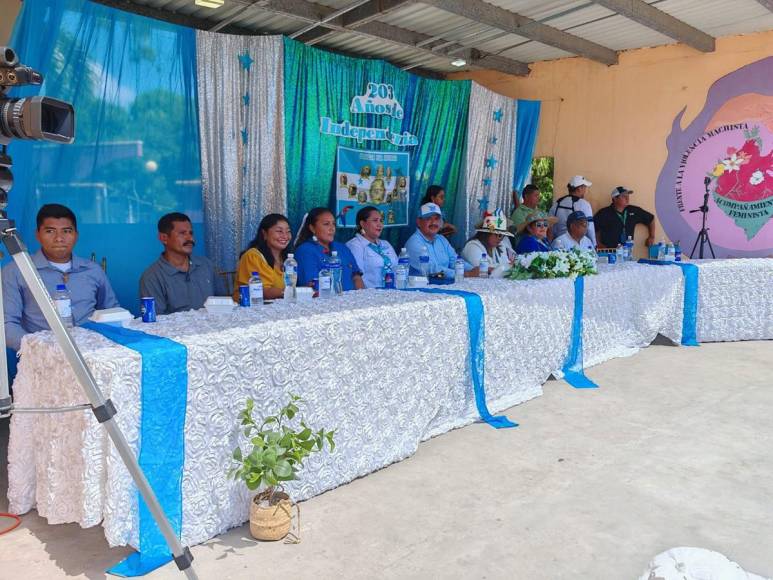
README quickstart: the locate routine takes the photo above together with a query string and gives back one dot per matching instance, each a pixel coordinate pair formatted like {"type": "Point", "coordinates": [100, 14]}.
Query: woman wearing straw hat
{"type": "Point", "coordinates": [491, 238]}
{"type": "Point", "coordinates": [534, 232]}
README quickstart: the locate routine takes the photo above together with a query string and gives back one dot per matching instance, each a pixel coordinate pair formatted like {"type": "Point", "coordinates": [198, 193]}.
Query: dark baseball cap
{"type": "Point", "coordinates": [575, 216]}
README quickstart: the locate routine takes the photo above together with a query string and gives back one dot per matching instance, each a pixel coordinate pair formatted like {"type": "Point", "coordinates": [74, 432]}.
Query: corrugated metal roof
{"type": "Point", "coordinates": [581, 18]}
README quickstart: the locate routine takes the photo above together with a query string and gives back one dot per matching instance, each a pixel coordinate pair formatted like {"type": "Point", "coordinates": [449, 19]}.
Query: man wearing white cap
{"type": "Point", "coordinates": [616, 222]}
{"type": "Point", "coordinates": [574, 201]}
{"type": "Point", "coordinates": [442, 256]}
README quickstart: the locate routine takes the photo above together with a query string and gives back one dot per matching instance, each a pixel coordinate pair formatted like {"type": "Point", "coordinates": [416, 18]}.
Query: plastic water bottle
{"type": "Point", "coordinates": [290, 276]}
{"type": "Point", "coordinates": [620, 254]}
{"type": "Point", "coordinates": [677, 252]}
{"type": "Point", "coordinates": [670, 253]}
{"type": "Point", "coordinates": [484, 265]}
{"type": "Point", "coordinates": [459, 270]}
{"type": "Point", "coordinates": [661, 250]}
{"type": "Point", "coordinates": [325, 279]}
{"type": "Point", "coordinates": [403, 270]}
{"type": "Point", "coordinates": [424, 261]}
{"type": "Point", "coordinates": [63, 304]}
{"type": "Point", "coordinates": [256, 290]}
{"type": "Point", "coordinates": [629, 249]}
{"type": "Point", "coordinates": [334, 265]}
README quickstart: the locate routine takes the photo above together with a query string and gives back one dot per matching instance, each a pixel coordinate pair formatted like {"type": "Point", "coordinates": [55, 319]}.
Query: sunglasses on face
{"type": "Point", "coordinates": [540, 224]}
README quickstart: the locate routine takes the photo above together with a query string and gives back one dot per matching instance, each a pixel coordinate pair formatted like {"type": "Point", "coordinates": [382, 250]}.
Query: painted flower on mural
{"type": "Point", "coordinates": [735, 160]}
{"type": "Point", "coordinates": [747, 175]}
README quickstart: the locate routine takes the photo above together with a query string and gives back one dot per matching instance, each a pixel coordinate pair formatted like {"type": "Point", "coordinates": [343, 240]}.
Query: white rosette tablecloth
{"type": "Point", "coordinates": [385, 369]}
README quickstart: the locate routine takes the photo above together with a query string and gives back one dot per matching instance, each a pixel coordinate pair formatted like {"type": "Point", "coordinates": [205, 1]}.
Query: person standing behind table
{"type": "Point", "coordinates": [437, 195]}
{"type": "Point", "coordinates": [315, 244]}
{"type": "Point", "coordinates": [574, 201]}
{"type": "Point", "coordinates": [529, 205]}
{"type": "Point", "coordinates": [266, 254]}
{"type": "Point", "coordinates": [89, 288]}
{"type": "Point", "coordinates": [371, 253]}
{"type": "Point", "coordinates": [442, 257]}
{"type": "Point", "coordinates": [618, 220]}
{"type": "Point", "coordinates": [575, 236]}
{"type": "Point", "coordinates": [534, 231]}
{"type": "Point", "coordinates": [491, 239]}
{"type": "Point", "coordinates": [178, 280]}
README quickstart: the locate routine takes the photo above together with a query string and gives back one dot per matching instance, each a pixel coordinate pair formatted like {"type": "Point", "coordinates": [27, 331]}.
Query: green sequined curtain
{"type": "Point", "coordinates": [321, 84]}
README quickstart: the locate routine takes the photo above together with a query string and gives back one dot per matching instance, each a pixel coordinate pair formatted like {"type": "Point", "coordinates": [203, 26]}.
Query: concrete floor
{"type": "Point", "coordinates": [674, 449]}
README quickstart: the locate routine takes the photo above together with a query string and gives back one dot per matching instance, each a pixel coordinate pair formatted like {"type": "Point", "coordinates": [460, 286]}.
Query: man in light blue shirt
{"type": "Point", "coordinates": [442, 255]}
{"type": "Point", "coordinates": [90, 290]}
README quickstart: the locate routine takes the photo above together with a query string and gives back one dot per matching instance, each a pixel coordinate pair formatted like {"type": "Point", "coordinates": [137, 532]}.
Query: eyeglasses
{"type": "Point", "coordinates": [540, 224]}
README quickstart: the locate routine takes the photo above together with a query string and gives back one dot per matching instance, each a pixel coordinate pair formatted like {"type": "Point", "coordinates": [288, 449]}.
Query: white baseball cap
{"type": "Point", "coordinates": [429, 209]}
{"type": "Point", "coordinates": [579, 180]}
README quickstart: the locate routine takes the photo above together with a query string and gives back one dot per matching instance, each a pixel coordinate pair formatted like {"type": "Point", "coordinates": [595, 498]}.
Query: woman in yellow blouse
{"type": "Point", "coordinates": [265, 255]}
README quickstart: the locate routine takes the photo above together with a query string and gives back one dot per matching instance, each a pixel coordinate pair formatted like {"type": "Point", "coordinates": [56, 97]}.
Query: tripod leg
{"type": "Point", "coordinates": [711, 248]}
{"type": "Point", "coordinates": [103, 408]}
{"type": "Point", "coordinates": [695, 245]}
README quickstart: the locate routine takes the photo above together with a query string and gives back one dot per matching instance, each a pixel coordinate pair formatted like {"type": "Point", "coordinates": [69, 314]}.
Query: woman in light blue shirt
{"type": "Point", "coordinates": [371, 253]}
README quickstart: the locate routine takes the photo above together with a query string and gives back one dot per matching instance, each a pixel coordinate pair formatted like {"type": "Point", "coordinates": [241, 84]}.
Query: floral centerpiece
{"type": "Point", "coordinates": [556, 264]}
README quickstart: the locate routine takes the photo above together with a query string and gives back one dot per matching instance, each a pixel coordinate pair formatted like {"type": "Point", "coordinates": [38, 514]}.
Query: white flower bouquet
{"type": "Point", "coordinates": [555, 264]}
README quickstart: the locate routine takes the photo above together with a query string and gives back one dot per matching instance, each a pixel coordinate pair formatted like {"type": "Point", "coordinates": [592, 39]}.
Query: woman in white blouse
{"type": "Point", "coordinates": [371, 253]}
{"type": "Point", "coordinates": [491, 238]}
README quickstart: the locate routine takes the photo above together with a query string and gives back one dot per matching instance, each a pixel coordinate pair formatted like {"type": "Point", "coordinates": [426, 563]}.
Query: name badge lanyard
{"type": "Point", "coordinates": [623, 218]}
{"type": "Point", "coordinates": [377, 248]}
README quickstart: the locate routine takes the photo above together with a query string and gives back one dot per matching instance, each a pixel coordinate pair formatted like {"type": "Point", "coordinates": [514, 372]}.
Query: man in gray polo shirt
{"type": "Point", "coordinates": [178, 280]}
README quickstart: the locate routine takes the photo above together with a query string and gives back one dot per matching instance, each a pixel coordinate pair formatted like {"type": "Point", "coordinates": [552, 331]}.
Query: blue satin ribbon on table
{"type": "Point", "coordinates": [690, 304]}
{"type": "Point", "coordinates": [476, 323]}
{"type": "Point", "coordinates": [573, 370]}
{"type": "Point", "coordinates": [164, 397]}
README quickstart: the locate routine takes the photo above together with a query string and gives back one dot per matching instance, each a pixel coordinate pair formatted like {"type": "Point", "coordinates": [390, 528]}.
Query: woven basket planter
{"type": "Point", "coordinates": [272, 522]}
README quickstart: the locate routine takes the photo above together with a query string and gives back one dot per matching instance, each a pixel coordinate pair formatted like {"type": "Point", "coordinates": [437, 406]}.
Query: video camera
{"type": "Point", "coordinates": [39, 118]}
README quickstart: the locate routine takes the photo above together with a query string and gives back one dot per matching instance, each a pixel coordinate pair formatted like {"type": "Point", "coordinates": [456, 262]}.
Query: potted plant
{"type": "Point", "coordinates": [276, 450]}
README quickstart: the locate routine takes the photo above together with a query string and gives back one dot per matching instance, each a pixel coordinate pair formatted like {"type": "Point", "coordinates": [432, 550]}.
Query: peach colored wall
{"type": "Point", "coordinates": [610, 123]}
{"type": "Point", "coordinates": [8, 11]}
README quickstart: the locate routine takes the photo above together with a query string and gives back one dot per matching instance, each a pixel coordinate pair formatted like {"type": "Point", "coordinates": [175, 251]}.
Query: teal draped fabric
{"type": "Point", "coordinates": [322, 84]}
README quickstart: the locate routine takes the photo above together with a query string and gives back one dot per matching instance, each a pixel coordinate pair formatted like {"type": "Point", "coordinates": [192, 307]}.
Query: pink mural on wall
{"type": "Point", "coordinates": [731, 143]}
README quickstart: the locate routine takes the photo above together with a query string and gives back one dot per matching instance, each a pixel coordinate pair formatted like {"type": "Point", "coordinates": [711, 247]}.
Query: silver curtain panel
{"type": "Point", "coordinates": [241, 122]}
{"type": "Point", "coordinates": [490, 157]}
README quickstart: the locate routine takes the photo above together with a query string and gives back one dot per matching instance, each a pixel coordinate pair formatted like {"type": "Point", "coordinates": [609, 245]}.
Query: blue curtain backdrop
{"type": "Point", "coordinates": [525, 138]}
{"type": "Point", "coordinates": [322, 84]}
{"type": "Point", "coordinates": [132, 81]}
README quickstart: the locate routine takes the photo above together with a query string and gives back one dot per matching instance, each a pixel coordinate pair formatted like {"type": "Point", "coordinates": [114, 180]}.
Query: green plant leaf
{"type": "Point", "coordinates": [237, 454]}
{"type": "Point", "coordinates": [283, 469]}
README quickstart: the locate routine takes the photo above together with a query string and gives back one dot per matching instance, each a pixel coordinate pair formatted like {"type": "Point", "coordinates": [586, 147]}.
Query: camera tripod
{"type": "Point", "coordinates": [703, 235]}
{"type": "Point", "coordinates": [102, 408]}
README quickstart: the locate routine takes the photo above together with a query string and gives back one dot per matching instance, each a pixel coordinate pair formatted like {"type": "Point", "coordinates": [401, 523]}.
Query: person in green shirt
{"type": "Point", "coordinates": [528, 206]}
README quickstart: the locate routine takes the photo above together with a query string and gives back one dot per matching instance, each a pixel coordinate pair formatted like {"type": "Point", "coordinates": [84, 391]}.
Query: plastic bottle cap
{"type": "Point", "coordinates": [61, 287]}
{"type": "Point", "coordinates": [290, 255]}
{"type": "Point", "coordinates": [254, 273]}
{"type": "Point", "coordinates": [335, 253]}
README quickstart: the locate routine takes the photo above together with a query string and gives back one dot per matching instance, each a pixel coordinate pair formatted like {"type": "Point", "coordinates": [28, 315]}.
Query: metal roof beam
{"type": "Point", "coordinates": [356, 17]}
{"type": "Point", "coordinates": [168, 15]}
{"type": "Point", "coordinates": [649, 16]}
{"type": "Point", "coordinates": [767, 4]}
{"type": "Point", "coordinates": [315, 13]}
{"type": "Point", "coordinates": [513, 23]}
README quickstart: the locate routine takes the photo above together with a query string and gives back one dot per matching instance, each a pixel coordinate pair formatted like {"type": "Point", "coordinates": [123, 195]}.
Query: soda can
{"type": "Point", "coordinates": [612, 257]}
{"type": "Point", "coordinates": [244, 295]}
{"type": "Point", "coordinates": [148, 308]}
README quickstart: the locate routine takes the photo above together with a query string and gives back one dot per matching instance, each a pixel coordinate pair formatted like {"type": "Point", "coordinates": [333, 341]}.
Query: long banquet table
{"type": "Point", "coordinates": [386, 369]}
